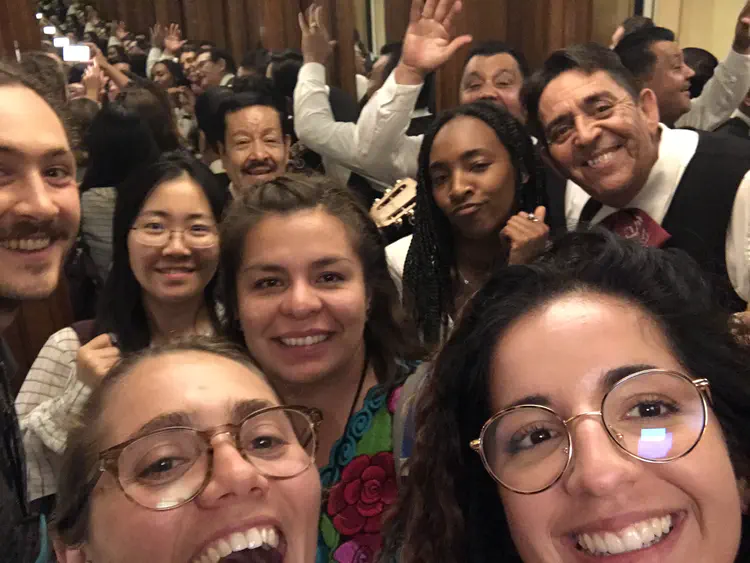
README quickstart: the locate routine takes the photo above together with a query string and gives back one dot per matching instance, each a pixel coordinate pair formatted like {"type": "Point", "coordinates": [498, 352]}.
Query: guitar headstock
{"type": "Point", "coordinates": [397, 204]}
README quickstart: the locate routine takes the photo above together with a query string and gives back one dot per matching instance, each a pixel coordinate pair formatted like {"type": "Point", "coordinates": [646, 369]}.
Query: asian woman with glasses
{"type": "Point", "coordinates": [184, 453]}
{"type": "Point", "coordinates": [591, 407]}
{"type": "Point", "coordinates": [161, 286]}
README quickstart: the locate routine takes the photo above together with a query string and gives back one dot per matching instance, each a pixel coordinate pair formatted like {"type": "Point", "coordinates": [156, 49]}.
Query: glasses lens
{"type": "Point", "coordinates": [656, 416]}
{"type": "Point", "coordinates": [526, 449]}
{"type": "Point", "coordinates": [163, 470]}
{"type": "Point", "coordinates": [279, 442]}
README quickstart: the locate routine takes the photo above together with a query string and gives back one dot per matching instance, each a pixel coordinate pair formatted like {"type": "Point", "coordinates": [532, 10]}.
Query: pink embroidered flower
{"type": "Point", "coordinates": [360, 549]}
{"type": "Point", "coordinates": [367, 487]}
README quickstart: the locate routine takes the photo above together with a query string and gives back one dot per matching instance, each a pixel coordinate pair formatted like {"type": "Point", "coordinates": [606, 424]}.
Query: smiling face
{"type": "Point", "coordinates": [670, 81]}
{"type": "Point", "coordinates": [174, 271]}
{"type": "Point", "coordinates": [202, 391]}
{"type": "Point", "coordinates": [302, 297]}
{"type": "Point", "coordinates": [210, 72]}
{"type": "Point", "coordinates": [496, 78]}
{"type": "Point", "coordinates": [605, 493]}
{"type": "Point", "coordinates": [256, 149]}
{"type": "Point", "coordinates": [39, 200]}
{"type": "Point", "coordinates": [599, 136]}
{"type": "Point", "coordinates": [473, 179]}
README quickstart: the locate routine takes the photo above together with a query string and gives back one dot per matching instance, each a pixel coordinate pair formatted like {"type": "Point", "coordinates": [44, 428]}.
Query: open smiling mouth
{"type": "Point", "coordinates": [635, 537]}
{"type": "Point", "coordinates": [33, 244]}
{"type": "Point", "coordinates": [256, 545]}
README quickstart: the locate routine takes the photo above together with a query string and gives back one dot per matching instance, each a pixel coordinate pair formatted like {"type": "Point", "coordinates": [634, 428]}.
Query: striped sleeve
{"type": "Point", "coordinates": [50, 397]}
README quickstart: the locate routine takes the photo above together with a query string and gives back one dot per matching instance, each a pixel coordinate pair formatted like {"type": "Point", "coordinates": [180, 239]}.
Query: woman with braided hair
{"type": "Point", "coordinates": [480, 202]}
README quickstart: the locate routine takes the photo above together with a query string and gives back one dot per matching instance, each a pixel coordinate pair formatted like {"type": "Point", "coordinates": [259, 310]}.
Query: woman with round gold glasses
{"type": "Point", "coordinates": [593, 406]}
{"type": "Point", "coordinates": [184, 454]}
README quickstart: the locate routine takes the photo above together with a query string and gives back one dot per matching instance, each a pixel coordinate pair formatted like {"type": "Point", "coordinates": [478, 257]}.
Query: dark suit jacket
{"type": "Point", "coordinates": [736, 127]}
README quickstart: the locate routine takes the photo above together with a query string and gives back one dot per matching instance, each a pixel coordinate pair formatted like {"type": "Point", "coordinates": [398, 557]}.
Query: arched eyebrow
{"type": "Point", "coordinates": [611, 378]}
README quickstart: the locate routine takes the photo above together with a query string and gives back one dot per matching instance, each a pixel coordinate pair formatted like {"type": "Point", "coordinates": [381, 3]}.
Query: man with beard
{"type": "Point", "coordinates": [378, 143]}
{"type": "Point", "coordinates": [639, 178]}
{"type": "Point", "coordinates": [39, 217]}
{"type": "Point", "coordinates": [658, 63]}
{"type": "Point", "coordinates": [256, 137]}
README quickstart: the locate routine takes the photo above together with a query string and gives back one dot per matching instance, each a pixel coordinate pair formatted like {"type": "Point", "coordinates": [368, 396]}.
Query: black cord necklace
{"type": "Point", "coordinates": [334, 456]}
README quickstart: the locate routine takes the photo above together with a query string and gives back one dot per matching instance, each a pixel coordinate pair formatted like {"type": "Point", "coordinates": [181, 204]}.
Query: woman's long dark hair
{"type": "Point", "coordinates": [450, 510]}
{"type": "Point", "coordinates": [126, 133]}
{"type": "Point", "coordinates": [121, 309]}
{"type": "Point", "coordinates": [389, 337]}
{"type": "Point", "coordinates": [430, 272]}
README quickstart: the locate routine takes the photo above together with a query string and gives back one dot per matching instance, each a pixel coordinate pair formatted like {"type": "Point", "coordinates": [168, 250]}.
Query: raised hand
{"type": "Point", "coordinates": [429, 40]}
{"type": "Point", "coordinates": [173, 40]}
{"type": "Point", "coordinates": [93, 81]}
{"type": "Point", "coordinates": [121, 31]}
{"type": "Point", "coordinates": [158, 33]}
{"type": "Point", "coordinates": [742, 32]}
{"type": "Point", "coordinates": [317, 46]}
{"type": "Point", "coordinates": [528, 235]}
{"type": "Point", "coordinates": [95, 359]}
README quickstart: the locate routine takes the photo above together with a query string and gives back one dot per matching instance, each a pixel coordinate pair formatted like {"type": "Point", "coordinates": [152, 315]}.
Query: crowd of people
{"type": "Point", "coordinates": [547, 362]}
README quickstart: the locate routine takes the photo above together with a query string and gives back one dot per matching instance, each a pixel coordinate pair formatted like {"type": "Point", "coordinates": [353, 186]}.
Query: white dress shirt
{"type": "Point", "coordinates": [49, 400]}
{"type": "Point", "coordinates": [676, 149]}
{"type": "Point", "coordinates": [377, 144]}
{"type": "Point", "coordinates": [722, 94]}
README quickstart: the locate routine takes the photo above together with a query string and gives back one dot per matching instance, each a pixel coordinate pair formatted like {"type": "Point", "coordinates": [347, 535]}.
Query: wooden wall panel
{"type": "Point", "coordinates": [18, 25]}
{"type": "Point", "coordinates": [396, 19]}
{"type": "Point", "coordinates": [168, 11]}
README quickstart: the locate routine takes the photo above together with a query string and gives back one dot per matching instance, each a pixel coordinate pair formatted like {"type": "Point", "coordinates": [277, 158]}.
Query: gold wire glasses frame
{"type": "Point", "coordinates": [162, 238]}
{"type": "Point", "coordinates": [701, 386]}
{"type": "Point", "coordinates": [109, 459]}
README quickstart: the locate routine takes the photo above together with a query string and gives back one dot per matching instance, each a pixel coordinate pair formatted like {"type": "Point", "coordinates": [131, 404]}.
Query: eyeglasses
{"type": "Point", "coordinates": [195, 236]}
{"type": "Point", "coordinates": [655, 416]}
{"type": "Point", "coordinates": [168, 468]}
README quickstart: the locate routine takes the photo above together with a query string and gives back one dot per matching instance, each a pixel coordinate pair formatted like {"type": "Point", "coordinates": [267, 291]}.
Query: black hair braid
{"type": "Point", "coordinates": [430, 272]}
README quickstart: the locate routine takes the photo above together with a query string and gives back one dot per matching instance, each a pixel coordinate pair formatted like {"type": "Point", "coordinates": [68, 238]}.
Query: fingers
{"type": "Point", "coordinates": [100, 342]}
{"type": "Point", "coordinates": [457, 43]}
{"type": "Point", "coordinates": [540, 213]}
{"type": "Point", "coordinates": [442, 9]}
{"type": "Point", "coordinates": [449, 20]}
{"type": "Point", "coordinates": [416, 11]}
{"type": "Point", "coordinates": [303, 24]}
{"type": "Point", "coordinates": [428, 12]}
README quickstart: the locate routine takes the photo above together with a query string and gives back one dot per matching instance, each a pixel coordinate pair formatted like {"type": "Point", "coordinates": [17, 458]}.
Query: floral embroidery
{"type": "Point", "coordinates": [361, 480]}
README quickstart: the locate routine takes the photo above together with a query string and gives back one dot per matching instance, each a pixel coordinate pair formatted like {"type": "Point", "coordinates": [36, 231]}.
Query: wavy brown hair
{"type": "Point", "coordinates": [449, 511]}
{"type": "Point", "coordinates": [389, 335]}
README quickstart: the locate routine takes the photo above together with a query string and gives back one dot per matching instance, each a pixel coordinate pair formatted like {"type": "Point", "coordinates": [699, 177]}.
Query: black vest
{"type": "Point", "coordinates": [699, 215]}
{"type": "Point", "coordinates": [701, 209]}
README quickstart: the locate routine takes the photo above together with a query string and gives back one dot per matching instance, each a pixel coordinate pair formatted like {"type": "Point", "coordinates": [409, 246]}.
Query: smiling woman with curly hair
{"type": "Point", "coordinates": [593, 404]}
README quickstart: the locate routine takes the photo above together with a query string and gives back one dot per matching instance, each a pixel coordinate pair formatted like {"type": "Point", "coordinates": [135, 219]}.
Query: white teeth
{"type": "Point", "coordinates": [614, 544]}
{"type": "Point", "coordinates": [602, 158]}
{"type": "Point", "coordinates": [254, 538]}
{"type": "Point", "coordinates": [224, 548]}
{"type": "Point", "coordinates": [306, 341]}
{"type": "Point", "coordinates": [26, 245]}
{"type": "Point", "coordinates": [238, 541]}
{"type": "Point", "coordinates": [633, 538]}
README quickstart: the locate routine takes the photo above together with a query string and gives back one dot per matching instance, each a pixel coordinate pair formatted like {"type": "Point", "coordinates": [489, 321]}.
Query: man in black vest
{"type": "Point", "coordinates": [39, 216]}
{"type": "Point", "coordinates": [666, 187]}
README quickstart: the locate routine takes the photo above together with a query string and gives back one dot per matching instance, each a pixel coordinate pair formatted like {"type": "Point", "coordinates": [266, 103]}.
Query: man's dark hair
{"type": "Point", "coordinates": [207, 107]}
{"type": "Point", "coordinates": [587, 58]}
{"type": "Point", "coordinates": [220, 54]}
{"type": "Point", "coordinates": [189, 47]}
{"type": "Point", "coordinates": [256, 60]}
{"type": "Point", "coordinates": [261, 94]}
{"type": "Point", "coordinates": [636, 23]}
{"type": "Point", "coordinates": [391, 47]}
{"type": "Point", "coordinates": [703, 64]}
{"type": "Point", "coordinates": [491, 48]}
{"type": "Point", "coordinates": [48, 72]}
{"type": "Point", "coordinates": [635, 50]}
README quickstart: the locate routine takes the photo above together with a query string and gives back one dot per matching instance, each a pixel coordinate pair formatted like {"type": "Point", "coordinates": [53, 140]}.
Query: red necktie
{"type": "Point", "coordinates": [637, 225]}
